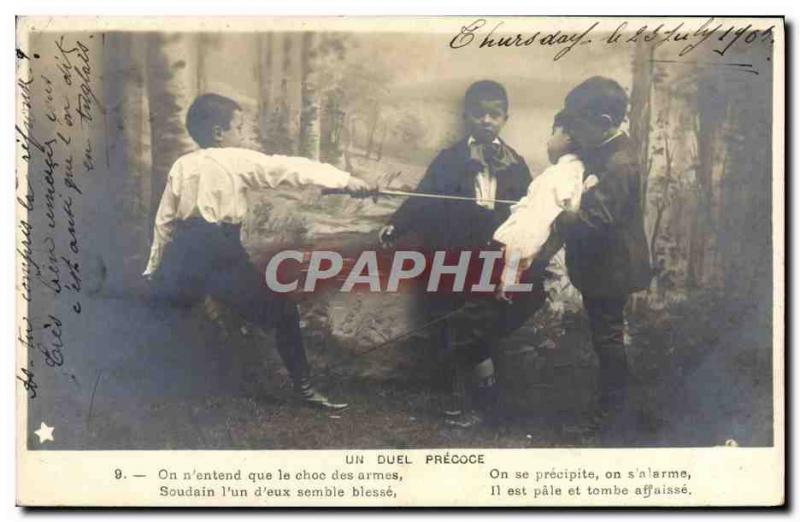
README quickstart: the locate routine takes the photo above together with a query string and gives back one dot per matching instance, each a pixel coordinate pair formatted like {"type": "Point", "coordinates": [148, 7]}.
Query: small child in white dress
{"type": "Point", "coordinates": [528, 234]}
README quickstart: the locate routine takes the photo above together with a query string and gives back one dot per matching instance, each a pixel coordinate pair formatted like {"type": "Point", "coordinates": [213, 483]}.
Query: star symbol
{"type": "Point", "coordinates": [45, 433]}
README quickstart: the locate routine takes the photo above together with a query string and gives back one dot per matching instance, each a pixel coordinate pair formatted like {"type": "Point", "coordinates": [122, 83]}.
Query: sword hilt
{"type": "Point", "coordinates": [332, 191]}
{"type": "Point", "coordinates": [374, 193]}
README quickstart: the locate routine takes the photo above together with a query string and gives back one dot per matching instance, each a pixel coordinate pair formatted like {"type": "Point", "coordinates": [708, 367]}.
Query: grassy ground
{"type": "Point", "coordinates": [202, 387]}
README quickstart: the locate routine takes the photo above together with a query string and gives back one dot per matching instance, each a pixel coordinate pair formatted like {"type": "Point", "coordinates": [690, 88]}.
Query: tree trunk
{"type": "Point", "coordinates": [641, 94]}
{"type": "Point", "coordinates": [171, 84]}
{"type": "Point", "coordinates": [129, 146]}
{"type": "Point", "coordinates": [662, 205]}
{"type": "Point", "coordinates": [201, 48]}
{"type": "Point", "coordinates": [381, 142]}
{"type": "Point", "coordinates": [710, 109]}
{"type": "Point", "coordinates": [309, 112]}
{"type": "Point", "coordinates": [265, 73]}
{"type": "Point", "coordinates": [745, 239]}
{"type": "Point", "coordinates": [374, 120]}
{"type": "Point", "coordinates": [291, 96]}
{"type": "Point", "coordinates": [347, 140]}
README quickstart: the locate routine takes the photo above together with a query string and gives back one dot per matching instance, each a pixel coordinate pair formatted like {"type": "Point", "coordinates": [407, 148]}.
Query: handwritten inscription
{"type": "Point", "coordinates": [57, 107]}
{"type": "Point", "coordinates": [74, 60]}
{"type": "Point", "coordinates": [722, 36]}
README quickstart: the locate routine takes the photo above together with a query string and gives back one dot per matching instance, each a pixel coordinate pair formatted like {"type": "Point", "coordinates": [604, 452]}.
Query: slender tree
{"type": "Point", "coordinates": [171, 87]}
{"type": "Point", "coordinates": [711, 105]}
{"type": "Point", "coordinates": [265, 73]}
{"type": "Point", "coordinates": [309, 111]}
{"type": "Point", "coordinates": [640, 112]}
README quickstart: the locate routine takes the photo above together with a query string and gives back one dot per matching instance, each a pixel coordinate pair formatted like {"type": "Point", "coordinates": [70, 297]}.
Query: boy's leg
{"type": "Point", "coordinates": [480, 366]}
{"type": "Point", "coordinates": [241, 286]}
{"type": "Point", "coordinates": [449, 375]}
{"type": "Point", "coordinates": [474, 332]}
{"type": "Point", "coordinates": [449, 370]}
{"type": "Point", "coordinates": [475, 325]}
{"type": "Point", "coordinates": [606, 319]}
{"type": "Point", "coordinates": [289, 342]}
{"type": "Point", "coordinates": [547, 252]}
{"type": "Point", "coordinates": [180, 279]}
{"type": "Point", "coordinates": [478, 325]}
{"type": "Point", "coordinates": [510, 317]}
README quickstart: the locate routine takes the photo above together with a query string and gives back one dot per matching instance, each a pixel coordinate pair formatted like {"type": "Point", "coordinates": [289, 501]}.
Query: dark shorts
{"type": "Point", "coordinates": [206, 259]}
{"type": "Point", "coordinates": [474, 325]}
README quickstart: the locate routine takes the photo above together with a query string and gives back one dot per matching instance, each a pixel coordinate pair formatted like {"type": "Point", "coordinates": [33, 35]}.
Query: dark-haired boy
{"type": "Point", "coordinates": [606, 250]}
{"type": "Point", "coordinates": [197, 250]}
{"type": "Point", "coordinates": [484, 167]}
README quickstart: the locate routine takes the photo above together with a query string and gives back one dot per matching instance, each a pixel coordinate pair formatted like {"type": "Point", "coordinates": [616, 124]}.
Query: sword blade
{"type": "Point", "coordinates": [403, 193]}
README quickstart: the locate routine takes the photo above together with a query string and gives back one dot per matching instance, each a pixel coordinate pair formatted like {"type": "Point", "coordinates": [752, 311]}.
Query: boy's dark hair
{"type": "Point", "coordinates": [486, 90]}
{"type": "Point", "coordinates": [560, 120]}
{"type": "Point", "coordinates": [206, 111]}
{"type": "Point", "coordinates": [597, 96]}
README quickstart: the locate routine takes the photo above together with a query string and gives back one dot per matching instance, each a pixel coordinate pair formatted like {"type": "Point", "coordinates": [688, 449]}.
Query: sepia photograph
{"type": "Point", "coordinates": [400, 234]}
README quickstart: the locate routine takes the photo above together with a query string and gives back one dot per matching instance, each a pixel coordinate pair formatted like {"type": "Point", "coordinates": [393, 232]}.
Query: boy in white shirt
{"type": "Point", "coordinates": [529, 233]}
{"type": "Point", "coordinates": [197, 250]}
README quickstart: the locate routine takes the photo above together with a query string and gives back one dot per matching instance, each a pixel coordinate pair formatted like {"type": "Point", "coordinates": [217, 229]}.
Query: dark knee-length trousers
{"type": "Point", "coordinates": [207, 259]}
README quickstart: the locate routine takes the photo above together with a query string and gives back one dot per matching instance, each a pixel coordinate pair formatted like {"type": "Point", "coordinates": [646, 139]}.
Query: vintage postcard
{"type": "Point", "coordinates": [442, 261]}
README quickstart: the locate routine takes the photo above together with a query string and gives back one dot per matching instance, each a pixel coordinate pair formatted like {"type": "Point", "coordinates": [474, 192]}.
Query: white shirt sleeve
{"type": "Point", "coordinates": [569, 185]}
{"type": "Point", "coordinates": [527, 229]}
{"type": "Point", "coordinates": [165, 220]}
{"type": "Point", "coordinates": [264, 171]}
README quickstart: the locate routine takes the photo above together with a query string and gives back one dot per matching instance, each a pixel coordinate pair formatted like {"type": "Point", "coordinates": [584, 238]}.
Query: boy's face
{"type": "Point", "coordinates": [590, 130]}
{"type": "Point", "coordinates": [232, 136]}
{"type": "Point", "coordinates": [560, 143]}
{"type": "Point", "coordinates": [485, 118]}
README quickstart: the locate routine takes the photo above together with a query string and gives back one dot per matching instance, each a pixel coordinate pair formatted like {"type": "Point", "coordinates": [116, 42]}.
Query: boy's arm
{"type": "Point", "coordinates": [269, 171]}
{"type": "Point", "coordinates": [412, 211]}
{"type": "Point", "coordinates": [165, 222]}
{"type": "Point", "coordinates": [607, 202]}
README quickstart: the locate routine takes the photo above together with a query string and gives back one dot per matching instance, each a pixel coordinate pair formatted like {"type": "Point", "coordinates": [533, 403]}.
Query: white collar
{"type": "Point", "coordinates": [614, 136]}
{"type": "Point", "coordinates": [567, 158]}
{"type": "Point", "coordinates": [472, 140]}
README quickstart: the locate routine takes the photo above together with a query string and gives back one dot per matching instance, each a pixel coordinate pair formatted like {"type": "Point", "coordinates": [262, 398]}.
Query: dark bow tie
{"type": "Point", "coordinates": [491, 156]}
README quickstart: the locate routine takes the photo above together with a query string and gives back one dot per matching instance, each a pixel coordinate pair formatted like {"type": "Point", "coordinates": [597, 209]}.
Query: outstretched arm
{"type": "Point", "coordinates": [263, 171]}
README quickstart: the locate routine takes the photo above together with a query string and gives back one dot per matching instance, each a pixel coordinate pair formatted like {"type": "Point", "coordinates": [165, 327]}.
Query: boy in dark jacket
{"type": "Point", "coordinates": [606, 249]}
{"type": "Point", "coordinates": [484, 167]}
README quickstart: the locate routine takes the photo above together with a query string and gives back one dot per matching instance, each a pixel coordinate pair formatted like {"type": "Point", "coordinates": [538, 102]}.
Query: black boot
{"type": "Point", "coordinates": [611, 412]}
{"type": "Point", "coordinates": [289, 342]}
{"type": "Point", "coordinates": [305, 392]}
{"type": "Point", "coordinates": [487, 398]}
{"type": "Point", "coordinates": [457, 411]}
{"type": "Point", "coordinates": [613, 386]}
